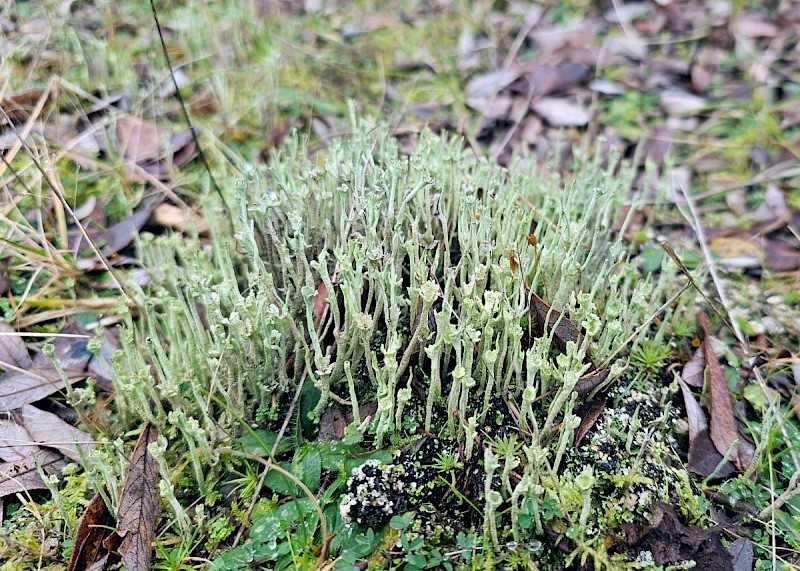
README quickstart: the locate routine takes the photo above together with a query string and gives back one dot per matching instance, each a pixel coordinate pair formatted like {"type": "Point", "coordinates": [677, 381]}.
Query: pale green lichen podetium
{"type": "Point", "coordinates": [415, 253]}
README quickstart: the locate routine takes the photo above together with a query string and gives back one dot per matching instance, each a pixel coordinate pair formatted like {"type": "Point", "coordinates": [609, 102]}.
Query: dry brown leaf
{"type": "Point", "coordinates": [320, 303]}
{"type": "Point", "coordinates": [588, 413]}
{"type": "Point", "coordinates": [23, 475]}
{"type": "Point", "coordinates": [155, 149]}
{"type": "Point", "coordinates": [694, 369]}
{"type": "Point", "coordinates": [72, 353]}
{"type": "Point", "coordinates": [720, 406]}
{"type": "Point", "coordinates": [736, 251]}
{"type": "Point", "coordinates": [5, 282]}
{"type": "Point", "coordinates": [47, 429]}
{"type": "Point", "coordinates": [93, 527]}
{"type": "Point", "coordinates": [12, 348]}
{"type": "Point", "coordinates": [18, 389]}
{"type": "Point", "coordinates": [180, 219]}
{"type": "Point", "coordinates": [703, 457]}
{"type": "Point", "coordinates": [18, 106]}
{"type": "Point", "coordinates": [547, 79]}
{"type": "Point", "coordinates": [481, 87]}
{"type": "Point", "coordinates": [681, 102]}
{"type": "Point", "coordinates": [139, 505]}
{"type": "Point", "coordinates": [332, 425]}
{"type": "Point", "coordinates": [558, 112]}
{"type": "Point", "coordinates": [15, 442]}
{"type": "Point", "coordinates": [565, 331]}
{"type": "Point", "coordinates": [672, 542]}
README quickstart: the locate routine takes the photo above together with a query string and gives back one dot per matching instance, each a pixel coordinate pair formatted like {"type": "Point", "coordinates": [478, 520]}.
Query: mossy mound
{"type": "Point", "coordinates": [409, 337]}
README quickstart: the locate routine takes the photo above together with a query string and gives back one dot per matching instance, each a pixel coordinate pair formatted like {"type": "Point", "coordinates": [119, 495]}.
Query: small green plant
{"type": "Point", "coordinates": [650, 356]}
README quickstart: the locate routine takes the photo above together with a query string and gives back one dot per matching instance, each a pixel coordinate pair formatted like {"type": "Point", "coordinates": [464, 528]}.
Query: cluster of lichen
{"type": "Point", "coordinates": [435, 254]}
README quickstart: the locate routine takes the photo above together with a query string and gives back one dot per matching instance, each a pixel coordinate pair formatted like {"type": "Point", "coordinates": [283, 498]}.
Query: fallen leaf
{"type": "Point", "coordinates": [93, 527]}
{"type": "Point", "coordinates": [774, 209]}
{"type": "Point", "coordinates": [588, 413]}
{"type": "Point", "coordinates": [72, 353]}
{"type": "Point", "coordinates": [119, 236]}
{"type": "Point", "coordinates": [320, 303]}
{"type": "Point", "coordinates": [694, 369]}
{"type": "Point", "coordinates": [15, 442]}
{"type": "Point", "coordinates": [487, 84]}
{"type": "Point", "coordinates": [720, 406]}
{"type": "Point", "coordinates": [18, 389]}
{"type": "Point", "coordinates": [671, 542]}
{"type": "Point", "coordinates": [332, 425]}
{"type": "Point", "coordinates": [139, 505]}
{"type": "Point", "coordinates": [677, 102]}
{"type": "Point", "coordinates": [703, 457]}
{"type": "Point", "coordinates": [558, 112]}
{"type": "Point", "coordinates": [565, 331]}
{"type": "Point", "coordinates": [12, 348]}
{"type": "Point", "coordinates": [154, 149]}
{"type": "Point", "coordinates": [23, 475]}
{"type": "Point", "coordinates": [18, 106]}
{"type": "Point", "coordinates": [5, 282]}
{"type": "Point", "coordinates": [546, 79]}
{"type": "Point", "coordinates": [741, 552]}
{"type": "Point", "coordinates": [180, 219]}
{"type": "Point", "coordinates": [736, 251]}
{"type": "Point", "coordinates": [781, 257]}
{"type": "Point", "coordinates": [47, 429]}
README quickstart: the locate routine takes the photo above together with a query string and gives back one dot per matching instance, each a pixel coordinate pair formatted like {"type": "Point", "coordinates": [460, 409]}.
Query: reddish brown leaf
{"type": "Point", "coordinates": [703, 457]}
{"type": "Point", "coordinates": [320, 303]}
{"type": "Point", "coordinates": [95, 524]}
{"type": "Point", "coordinates": [12, 348]}
{"type": "Point", "coordinates": [47, 429]}
{"type": "Point", "coordinates": [23, 475]}
{"type": "Point", "coordinates": [139, 505]}
{"type": "Point", "coordinates": [720, 405]}
{"type": "Point", "coordinates": [565, 331]}
{"type": "Point", "coordinates": [5, 283]}
{"type": "Point", "coordinates": [588, 413]}
{"type": "Point", "coordinates": [590, 381]}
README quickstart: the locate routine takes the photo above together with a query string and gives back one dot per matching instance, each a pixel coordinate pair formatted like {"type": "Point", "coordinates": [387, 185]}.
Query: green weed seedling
{"type": "Point", "coordinates": [391, 294]}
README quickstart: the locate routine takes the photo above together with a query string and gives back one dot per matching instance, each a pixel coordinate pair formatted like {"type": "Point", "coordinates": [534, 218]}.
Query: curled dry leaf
{"type": "Point", "coordinates": [720, 406]}
{"type": "Point", "coordinates": [12, 348]}
{"type": "Point", "coordinates": [139, 505]}
{"type": "Point", "coordinates": [93, 527]}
